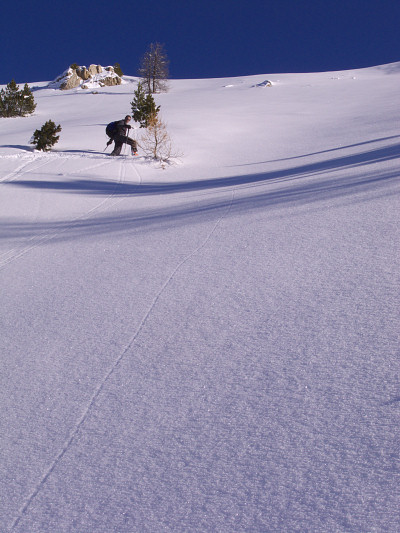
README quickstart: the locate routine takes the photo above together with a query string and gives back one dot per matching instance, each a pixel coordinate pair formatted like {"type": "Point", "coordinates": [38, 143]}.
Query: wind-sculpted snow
{"type": "Point", "coordinates": [212, 346]}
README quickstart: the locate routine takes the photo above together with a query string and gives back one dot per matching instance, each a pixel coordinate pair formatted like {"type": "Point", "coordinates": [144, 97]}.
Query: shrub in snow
{"type": "Point", "coordinates": [144, 108]}
{"type": "Point", "coordinates": [15, 102]}
{"type": "Point", "coordinates": [46, 137]}
{"type": "Point", "coordinates": [156, 143]}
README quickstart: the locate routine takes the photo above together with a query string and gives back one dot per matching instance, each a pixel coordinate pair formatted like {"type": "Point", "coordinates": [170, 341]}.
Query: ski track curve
{"type": "Point", "coordinates": [44, 159]}
{"type": "Point", "coordinates": [40, 238]}
{"type": "Point", "coordinates": [61, 163]}
{"type": "Point", "coordinates": [22, 169]}
{"type": "Point", "coordinates": [137, 171]}
{"type": "Point", "coordinates": [91, 167]}
{"type": "Point", "coordinates": [114, 366]}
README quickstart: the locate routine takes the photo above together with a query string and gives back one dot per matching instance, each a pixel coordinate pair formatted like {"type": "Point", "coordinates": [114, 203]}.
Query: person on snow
{"type": "Point", "coordinates": [118, 133]}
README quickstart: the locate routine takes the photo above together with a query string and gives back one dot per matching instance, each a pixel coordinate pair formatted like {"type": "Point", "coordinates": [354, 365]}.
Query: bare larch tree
{"type": "Point", "coordinates": [156, 143]}
{"type": "Point", "coordinates": [154, 69]}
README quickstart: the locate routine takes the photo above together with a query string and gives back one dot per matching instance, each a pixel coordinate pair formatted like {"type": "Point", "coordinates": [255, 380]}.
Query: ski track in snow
{"type": "Point", "coordinates": [25, 168]}
{"type": "Point", "coordinates": [44, 159]}
{"type": "Point", "coordinates": [61, 163]}
{"type": "Point", "coordinates": [116, 363]}
{"type": "Point", "coordinates": [137, 171]}
{"type": "Point", "coordinates": [40, 238]}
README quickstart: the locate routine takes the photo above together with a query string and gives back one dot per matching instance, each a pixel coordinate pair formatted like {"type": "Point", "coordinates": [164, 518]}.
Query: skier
{"type": "Point", "coordinates": [118, 133]}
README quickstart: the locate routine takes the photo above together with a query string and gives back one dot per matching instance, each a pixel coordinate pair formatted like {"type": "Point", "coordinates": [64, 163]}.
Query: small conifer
{"type": "Point", "coordinates": [27, 106]}
{"type": "Point", "coordinates": [9, 100]}
{"type": "Point", "coordinates": [46, 137]}
{"type": "Point", "coordinates": [117, 70]}
{"type": "Point", "coordinates": [144, 108]}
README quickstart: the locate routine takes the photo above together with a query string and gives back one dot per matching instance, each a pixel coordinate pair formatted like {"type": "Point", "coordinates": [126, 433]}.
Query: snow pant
{"type": "Point", "coordinates": [120, 140]}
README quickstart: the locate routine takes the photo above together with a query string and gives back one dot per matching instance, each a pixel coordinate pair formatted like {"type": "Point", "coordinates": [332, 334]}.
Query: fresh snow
{"type": "Point", "coordinates": [212, 346]}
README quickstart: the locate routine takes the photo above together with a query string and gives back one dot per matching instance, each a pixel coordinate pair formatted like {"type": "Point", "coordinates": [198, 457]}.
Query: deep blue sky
{"type": "Point", "coordinates": [203, 38]}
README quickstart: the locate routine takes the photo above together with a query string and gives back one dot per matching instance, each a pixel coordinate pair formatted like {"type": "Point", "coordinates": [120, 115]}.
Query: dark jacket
{"type": "Point", "coordinates": [121, 128]}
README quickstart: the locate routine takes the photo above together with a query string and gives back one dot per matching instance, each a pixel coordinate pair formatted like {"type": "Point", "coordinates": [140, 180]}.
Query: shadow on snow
{"type": "Point", "coordinates": [248, 196]}
{"type": "Point", "coordinates": [106, 187]}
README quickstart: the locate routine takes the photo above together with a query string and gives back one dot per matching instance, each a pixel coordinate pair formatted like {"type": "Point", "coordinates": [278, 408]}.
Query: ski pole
{"type": "Point", "coordinates": [136, 144]}
{"type": "Point", "coordinates": [127, 131]}
{"type": "Point", "coordinates": [110, 141]}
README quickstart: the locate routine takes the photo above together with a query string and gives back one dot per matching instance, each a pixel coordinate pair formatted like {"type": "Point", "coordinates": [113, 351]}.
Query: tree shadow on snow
{"type": "Point", "coordinates": [296, 190]}
{"type": "Point", "coordinates": [24, 148]}
{"type": "Point", "coordinates": [324, 168]}
{"type": "Point", "coordinates": [393, 401]}
{"type": "Point", "coordinates": [364, 143]}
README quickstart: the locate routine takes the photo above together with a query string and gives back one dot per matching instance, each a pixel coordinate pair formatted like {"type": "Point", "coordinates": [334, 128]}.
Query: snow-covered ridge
{"type": "Point", "coordinates": [86, 78]}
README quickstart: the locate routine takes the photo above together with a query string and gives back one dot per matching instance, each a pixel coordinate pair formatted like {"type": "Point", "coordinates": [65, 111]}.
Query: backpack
{"type": "Point", "coordinates": [111, 129]}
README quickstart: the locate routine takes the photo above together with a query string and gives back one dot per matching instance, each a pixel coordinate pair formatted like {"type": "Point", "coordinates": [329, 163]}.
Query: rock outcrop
{"type": "Point", "coordinates": [263, 84]}
{"type": "Point", "coordinates": [110, 81]}
{"type": "Point", "coordinates": [83, 73]}
{"type": "Point", "coordinates": [71, 81]}
{"type": "Point", "coordinates": [86, 78]}
{"type": "Point", "coordinates": [95, 69]}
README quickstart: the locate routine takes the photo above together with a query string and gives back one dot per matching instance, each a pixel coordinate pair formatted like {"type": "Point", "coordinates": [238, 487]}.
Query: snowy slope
{"type": "Point", "coordinates": [213, 346]}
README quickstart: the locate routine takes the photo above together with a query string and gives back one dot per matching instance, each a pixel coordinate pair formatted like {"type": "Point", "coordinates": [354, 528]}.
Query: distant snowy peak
{"type": "Point", "coordinates": [86, 78]}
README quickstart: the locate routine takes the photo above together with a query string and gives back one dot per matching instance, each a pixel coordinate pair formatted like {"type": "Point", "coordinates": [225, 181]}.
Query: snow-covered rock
{"type": "Point", "coordinates": [86, 78]}
{"type": "Point", "coordinates": [263, 84]}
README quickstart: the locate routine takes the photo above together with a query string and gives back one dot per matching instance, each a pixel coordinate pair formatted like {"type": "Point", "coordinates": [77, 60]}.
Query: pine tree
{"type": "Point", "coordinates": [143, 107]}
{"type": "Point", "coordinates": [46, 137]}
{"type": "Point", "coordinates": [154, 69]}
{"type": "Point", "coordinates": [118, 70]}
{"type": "Point", "coordinates": [27, 106]}
{"type": "Point", "coordinates": [9, 100]}
{"type": "Point", "coordinates": [16, 103]}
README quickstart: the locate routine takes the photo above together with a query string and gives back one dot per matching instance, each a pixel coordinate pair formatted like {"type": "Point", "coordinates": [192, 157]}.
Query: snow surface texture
{"type": "Point", "coordinates": [214, 346]}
